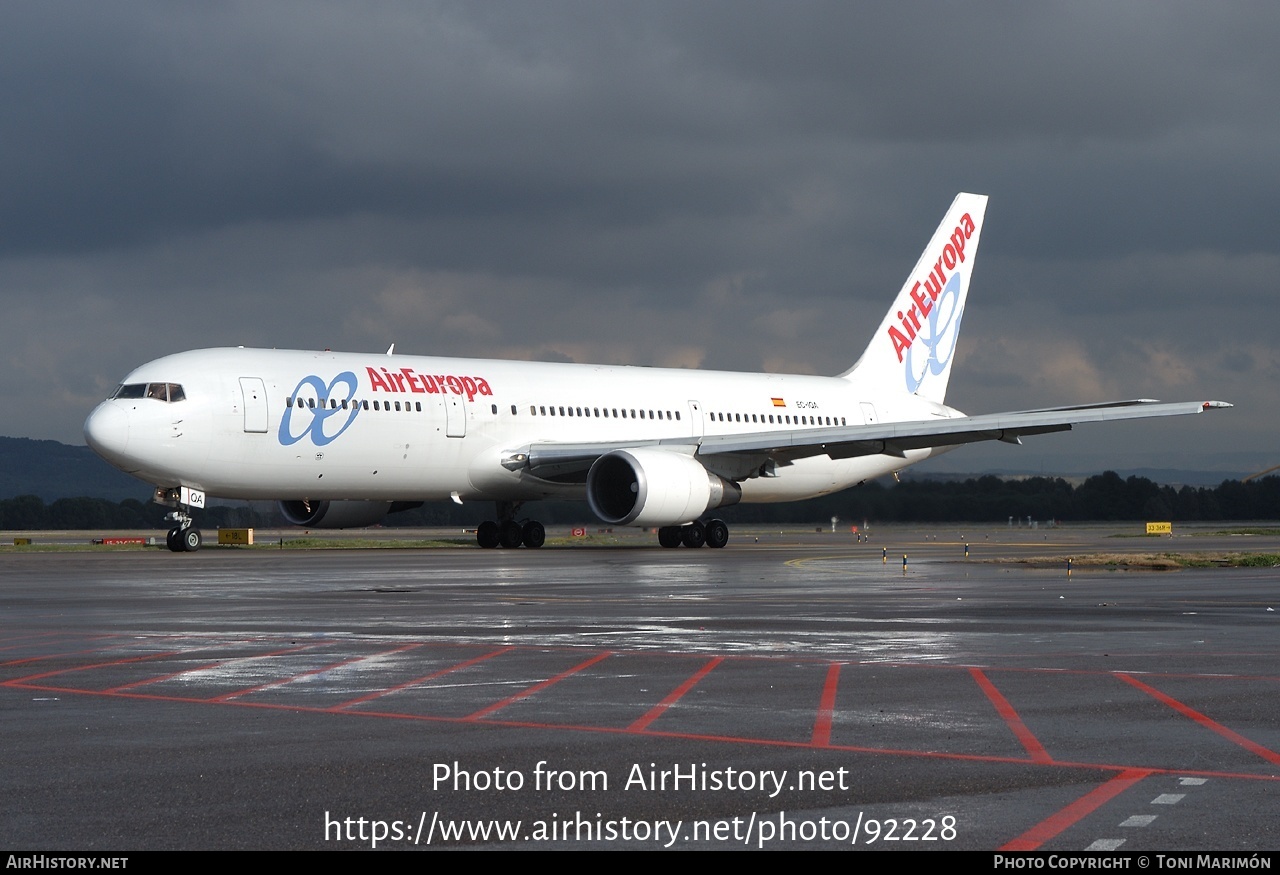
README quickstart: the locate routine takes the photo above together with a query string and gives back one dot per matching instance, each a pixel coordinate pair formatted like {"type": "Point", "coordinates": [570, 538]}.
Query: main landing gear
{"type": "Point", "coordinates": [713, 533]}
{"type": "Point", "coordinates": [508, 532]}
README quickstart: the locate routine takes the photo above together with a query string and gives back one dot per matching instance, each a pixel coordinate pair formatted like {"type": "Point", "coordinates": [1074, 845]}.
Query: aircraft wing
{"type": "Point", "coordinates": [569, 462]}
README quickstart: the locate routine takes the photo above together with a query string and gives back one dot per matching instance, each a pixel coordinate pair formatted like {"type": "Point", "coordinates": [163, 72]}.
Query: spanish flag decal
{"type": "Point", "coordinates": [778, 402]}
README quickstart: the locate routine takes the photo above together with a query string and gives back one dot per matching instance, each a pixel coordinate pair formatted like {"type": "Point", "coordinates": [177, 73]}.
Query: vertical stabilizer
{"type": "Point", "coordinates": [912, 349]}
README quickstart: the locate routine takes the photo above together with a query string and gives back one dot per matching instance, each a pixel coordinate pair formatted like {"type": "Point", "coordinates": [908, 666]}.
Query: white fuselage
{"type": "Point", "coordinates": [340, 438]}
{"type": "Point", "coordinates": [281, 424]}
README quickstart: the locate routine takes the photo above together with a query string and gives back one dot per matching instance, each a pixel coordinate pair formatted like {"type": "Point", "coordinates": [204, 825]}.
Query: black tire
{"type": "Point", "coordinates": [717, 533]}
{"type": "Point", "coordinates": [693, 535]}
{"type": "Point", "coordinates": [191, 539]}
{"type": "Point", "coordinates": [534, 535]}
{"type": "Point", "coordinates": [171, 540]}
{"type": "Point", "coordinates": [510, 534]}
{"type": "Point", "coordinates": [669, 536]}
{"type": "Point", "coordinates": [487, 534]}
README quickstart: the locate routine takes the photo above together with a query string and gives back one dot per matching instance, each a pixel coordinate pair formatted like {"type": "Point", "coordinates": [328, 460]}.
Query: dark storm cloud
{"type": "Point", "coordinates": [735, 185]}
{"type": "Point", "coordinates": [129, 123]}
{"type": "Point", "coordinates": [133, 121]}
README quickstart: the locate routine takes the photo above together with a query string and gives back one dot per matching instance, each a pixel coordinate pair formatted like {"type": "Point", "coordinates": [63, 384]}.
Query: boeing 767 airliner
{"type": "Point", "coordinates": [343, 439]}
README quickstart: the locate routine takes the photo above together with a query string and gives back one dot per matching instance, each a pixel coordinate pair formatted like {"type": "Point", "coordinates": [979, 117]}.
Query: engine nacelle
{"type": "Point", "coordinates": [646, 487]}
{"type": "Point", "coordinates": [334, 514]}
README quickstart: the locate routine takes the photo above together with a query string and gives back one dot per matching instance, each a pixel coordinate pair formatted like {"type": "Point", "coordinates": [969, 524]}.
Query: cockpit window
{"type": "Point", "coordinates": [130, 390]}
{"type": "Point", "coordinates": [167, 392]}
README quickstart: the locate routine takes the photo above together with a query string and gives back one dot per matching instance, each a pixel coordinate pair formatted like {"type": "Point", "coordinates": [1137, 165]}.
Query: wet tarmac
{"type": "Point", "coordinates": [794, 690]}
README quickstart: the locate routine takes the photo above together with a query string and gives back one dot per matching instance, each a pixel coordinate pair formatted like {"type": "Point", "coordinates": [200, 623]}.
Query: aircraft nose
{"type": "Point", "coordinates": [107, 432]}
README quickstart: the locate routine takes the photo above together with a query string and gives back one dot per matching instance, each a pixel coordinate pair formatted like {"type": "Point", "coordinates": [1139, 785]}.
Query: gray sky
{"type": "Point", "coordinates": [727, 185]}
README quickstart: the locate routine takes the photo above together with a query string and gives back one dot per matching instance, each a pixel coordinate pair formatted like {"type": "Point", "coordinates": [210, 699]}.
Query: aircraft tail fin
{"type": "Point", "coordinates": [914, 345]}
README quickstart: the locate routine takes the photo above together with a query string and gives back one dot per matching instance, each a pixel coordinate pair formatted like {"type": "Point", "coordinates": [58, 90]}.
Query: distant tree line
{"type": "Point", "coordinates": [1105, 496]}
{"type": "Point", "coordinates": [26, 512]}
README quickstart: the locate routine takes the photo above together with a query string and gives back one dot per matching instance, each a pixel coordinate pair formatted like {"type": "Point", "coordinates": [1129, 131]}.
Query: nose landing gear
{"type": "Point", "coordinates": [183, 536]}
{"type": "Point", "coordinates": [184, 540]}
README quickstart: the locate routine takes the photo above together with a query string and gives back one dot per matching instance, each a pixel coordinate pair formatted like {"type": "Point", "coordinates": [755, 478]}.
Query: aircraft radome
{"type": "Point", "coordinates": [343, 439]}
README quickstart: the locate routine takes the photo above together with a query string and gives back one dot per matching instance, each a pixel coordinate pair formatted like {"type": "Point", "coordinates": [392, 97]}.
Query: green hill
{"type": "Point", "coordinates": [52, 470]}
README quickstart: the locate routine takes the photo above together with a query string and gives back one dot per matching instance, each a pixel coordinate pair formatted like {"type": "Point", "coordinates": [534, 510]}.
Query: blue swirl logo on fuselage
{"type": "Point", "coordinates": [944, 327]}
{"type": "Point", "coordinates": [327, 406]}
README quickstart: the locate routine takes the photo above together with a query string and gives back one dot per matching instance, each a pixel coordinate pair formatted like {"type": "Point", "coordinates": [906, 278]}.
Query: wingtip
{"type": "Point", "coordinates": [1217, 405]}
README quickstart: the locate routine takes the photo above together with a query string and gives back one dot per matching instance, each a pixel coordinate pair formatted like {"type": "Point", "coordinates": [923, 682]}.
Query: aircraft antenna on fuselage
{"type": "Point", "coordinates": [912, 350]}
{"type": "Point", "coordinates": [391, 349]}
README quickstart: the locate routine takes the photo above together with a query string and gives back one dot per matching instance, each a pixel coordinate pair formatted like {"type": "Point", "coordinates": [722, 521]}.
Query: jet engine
{"type": "Point", "coordinates": [647, 487]}
{"type": "Point", "coordinates": [335, 514]}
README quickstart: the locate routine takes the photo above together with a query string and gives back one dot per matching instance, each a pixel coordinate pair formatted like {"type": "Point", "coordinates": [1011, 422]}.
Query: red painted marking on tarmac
{"type": "Point", "coordinates": [125, 642]}
{"type": "Point", "coordinates": [377, 694]}
{"type": "Point", "coordinates": [1090, 802]}
{"type": "Point", "coordinates": [48, 674]}
{"type": "Point", "coordinates": [826, 708]}
{"type": "Point", "coordinates": [1207, 722]}
{"type": "Point", "coordinates": [224, 662]}
{"type": "Point", "coordinates": [26, 640]}
{"type": "Point", "coordinates": [690, 736]}
{"type": "Point", "coordinates": [48, 656]}
{"type": "Point", "coordinates": [674, 696]}
{"type": "Point", "coordinates": [31, 682]}
{"type": "Point", "coordinates": [165, 677]}
{"type": "Point", "coordinates": [279, 681]}
{"type": "Point", "coordinates": [1010, 716]}
{"type": "Point", "coordinates": [523, 694]}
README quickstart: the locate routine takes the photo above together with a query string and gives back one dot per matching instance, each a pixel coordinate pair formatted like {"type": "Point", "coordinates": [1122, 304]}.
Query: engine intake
{"type": "Point", "coordinates": [644, 487]}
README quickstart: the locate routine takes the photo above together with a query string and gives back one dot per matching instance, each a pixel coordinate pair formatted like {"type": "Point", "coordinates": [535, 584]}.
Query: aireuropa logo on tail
{"type": "Point", "coordinates": [933, 319]}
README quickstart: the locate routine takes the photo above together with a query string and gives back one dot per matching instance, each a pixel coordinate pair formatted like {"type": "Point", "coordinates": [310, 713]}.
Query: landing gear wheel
{"type": "Point", "coordinates": [693, 535]}
{"type": "Point", "coordinates": [669, 536]}
{"type": "Point", "coordinates": [487, 534]}
{"type": "Point", "coordinates": [171, 540]}
{"type": "Point", "coordinates": [717, 533]}
{"type": "Point", "coordinates": [510, 534]}
{"type": "Point", "coordinates": [190, 539]}
{"type": "Point", "coordinates": [533, 535]}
